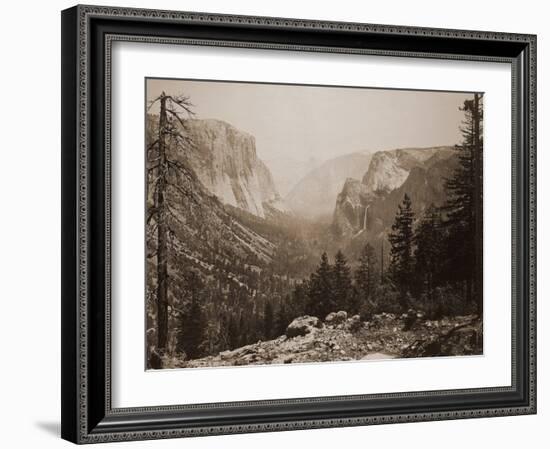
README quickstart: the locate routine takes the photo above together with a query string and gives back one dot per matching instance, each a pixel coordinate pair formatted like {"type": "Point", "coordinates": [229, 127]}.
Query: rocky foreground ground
{"type": "Point", "coordinates": [339, 338]}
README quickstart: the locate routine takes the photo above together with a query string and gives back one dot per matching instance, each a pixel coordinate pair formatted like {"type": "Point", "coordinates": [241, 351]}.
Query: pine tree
{"type": "Point", "coordinates": [464, 193]}
{"type": "Point", "coordinates": [268, 325]}
{"type": "Point", "coordinates": [341, 275]}
{"type": "Point", "coordinates": [163, 172]}
{"type": "Point", "coordinates": [401, 266]}
{"type": "Point", "coordinates": [365, 277]}
{"type": "Point", "coordinates": [320, 298]}
{"type": "Point", "coordinates": [428, 253]}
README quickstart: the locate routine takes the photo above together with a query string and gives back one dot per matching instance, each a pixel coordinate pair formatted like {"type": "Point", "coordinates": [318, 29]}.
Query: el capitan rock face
{"type": "Point", "coordinates": [225, 161]}
{"type": "Point", "coordinates": [368, 207]}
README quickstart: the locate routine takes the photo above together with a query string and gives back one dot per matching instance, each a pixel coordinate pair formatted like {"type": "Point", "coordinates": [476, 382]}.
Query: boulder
{"type": "Point", "coordinates": [303, 326]}
{"type": "Point", "coordinates": [462, 339]}
{"type": "Point", "coordinates": [410, 319]}
{"type": "Point", "coordinates": [335, 318]}
{"type": "Point", "coordinates": [354, 323]}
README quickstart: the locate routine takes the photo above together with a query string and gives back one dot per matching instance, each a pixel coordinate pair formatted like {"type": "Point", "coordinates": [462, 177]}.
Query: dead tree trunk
{"type": "Point", "coordinates": [162, 250]}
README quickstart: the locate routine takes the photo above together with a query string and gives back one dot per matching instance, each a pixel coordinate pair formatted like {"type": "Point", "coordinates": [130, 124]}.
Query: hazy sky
{"type": "Point", "coordinates": [304, 123]}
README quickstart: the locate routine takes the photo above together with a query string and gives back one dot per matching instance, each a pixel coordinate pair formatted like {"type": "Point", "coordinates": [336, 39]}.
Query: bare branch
{"type": "Point", "coordinates": [174, 216]}
{"type": "Point", "coordinates": [183, 102]}
{"type": "Point", "coordinates": [184, 192]}
{"type": "Point", "coordinates": [152, 102]}
{"type": "Point", "coordinates": [150, 213]}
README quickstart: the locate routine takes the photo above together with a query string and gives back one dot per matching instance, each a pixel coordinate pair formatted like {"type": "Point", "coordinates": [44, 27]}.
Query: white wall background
{"type": "Point", "coordinates": [30, 210]}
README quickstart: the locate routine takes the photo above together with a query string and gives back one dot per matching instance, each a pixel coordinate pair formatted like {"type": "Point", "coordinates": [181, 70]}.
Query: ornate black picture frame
{"type": "Point", "coordinates": [87, 35]}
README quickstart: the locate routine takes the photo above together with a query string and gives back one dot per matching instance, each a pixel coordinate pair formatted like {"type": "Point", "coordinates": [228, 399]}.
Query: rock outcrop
{"type": "Point", "coordinates": [461, 339]}
{"type": "Point", "coordinates": [336, 318]}
{"type": "Point", "coordinates": [225, 161]}
{"type": "Point", "coordinates": [351, 210]}
{"type": "Point", "coordinates": [302, 326]}
{"type": "Point", "coordinates": [368, 206]}
{"type": "Point", "coordinates": [339, 339]}
{"type": "Point", "coordinates": [388, 170]}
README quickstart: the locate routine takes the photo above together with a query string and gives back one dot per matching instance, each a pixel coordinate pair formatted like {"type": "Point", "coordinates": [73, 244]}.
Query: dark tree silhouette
{"type": "Point", "coordinates": [320, 295]}
{"type": "Point", "coordinates": [342, 288]}
{"type": "Point", "coordinates": [429, 253]}
{"type": "Point", "coordinates": [463, 221]}
{"type": "Point", "coordinates": [401, 251]}
{"type": "Point", "coordinates": [163, 171]}
{"type": "Point", "coordinates": [365, 278]}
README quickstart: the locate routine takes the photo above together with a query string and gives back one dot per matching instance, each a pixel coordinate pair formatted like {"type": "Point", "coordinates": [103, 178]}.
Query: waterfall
{"type": "Point", "coordinates": [365, 217]}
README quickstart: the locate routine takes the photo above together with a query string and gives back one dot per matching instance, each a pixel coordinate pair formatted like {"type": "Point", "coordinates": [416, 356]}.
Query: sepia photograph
{"type": "Point", "coordinates": [290, 223]}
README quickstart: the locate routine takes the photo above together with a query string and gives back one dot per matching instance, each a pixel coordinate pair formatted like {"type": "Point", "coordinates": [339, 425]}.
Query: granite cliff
{"type": "Point", "coordinates": [368, 206]}
{"type": "Point", "coordinates": [226, 163]}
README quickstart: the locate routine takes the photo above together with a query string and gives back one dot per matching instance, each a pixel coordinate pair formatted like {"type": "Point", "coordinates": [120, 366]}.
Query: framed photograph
{"type": "Point", "coordinates": [274, 224]}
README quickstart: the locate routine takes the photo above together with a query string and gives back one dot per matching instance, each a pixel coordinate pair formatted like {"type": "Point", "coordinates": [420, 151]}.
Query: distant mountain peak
{"type": "Point", "coordinates": [314, 196]}
{"type": "Point", "coordinates": [389, 169]}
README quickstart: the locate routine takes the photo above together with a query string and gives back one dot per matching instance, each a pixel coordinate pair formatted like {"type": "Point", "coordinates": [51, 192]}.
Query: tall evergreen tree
{"type": "Point", "coordinates": [163, 172]}
{"type": "Point", "coordinates": [342, 288]}
{"type": "Point", "coordinates": [320, 298]}
{"type": "Point", "coordinates": [365, 277]}
{"type": "Point", "coordinates": [401, 266]}
{"type": "Point", "coordinates": [429, 253]}
{"type": "Point", "coordinates": [464, 196]}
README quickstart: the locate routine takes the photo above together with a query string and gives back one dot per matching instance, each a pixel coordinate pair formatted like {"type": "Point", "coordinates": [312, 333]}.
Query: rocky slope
{"type": "Point", "coordinates": [206, 232]}
{"type": "Point", "coordinates": [315, 194]}
{"type": "Point", "coordinates": [368, 206]}
{"type": "Point", "coordinates": [225, 161]}
{"type": "Point", "coordinates": [339, 338]}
